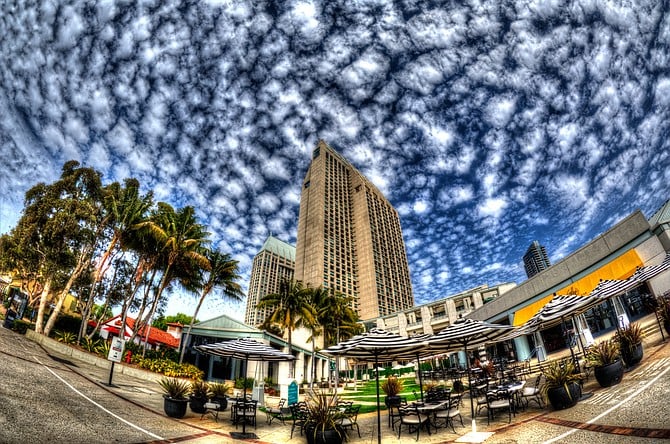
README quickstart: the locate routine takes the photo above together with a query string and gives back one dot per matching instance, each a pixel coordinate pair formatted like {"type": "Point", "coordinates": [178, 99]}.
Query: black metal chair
{"type": "Point", "coordinates": [498, 400]}
{"type": "Point", "coordinates": [299, 416]}
{"type": "Point", "coordinates": [410, 416]}
{"type": "Point", "coordinates": [245, 412]}
{"type": "Point", "coordinates": [350, 418]}
{"type": "Point", "coordinates": [533, 393]}
{"type": "Point", "coordinates": [451, 411]}
{"type": "Point", "coordinates": [394, 414]}
{"type": "Point", "coordinates": [276, 412]}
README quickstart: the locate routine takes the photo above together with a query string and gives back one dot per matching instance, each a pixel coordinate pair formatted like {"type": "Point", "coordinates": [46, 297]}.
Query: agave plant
{"type": "Point", "coordinates": [175, 388]}
{"type": "Point", "coordinates": [66, 337]}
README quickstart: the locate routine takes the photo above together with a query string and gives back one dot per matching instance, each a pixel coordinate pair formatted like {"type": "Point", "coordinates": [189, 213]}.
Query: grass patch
{"type": "Point", "coordinates": [366, 394]}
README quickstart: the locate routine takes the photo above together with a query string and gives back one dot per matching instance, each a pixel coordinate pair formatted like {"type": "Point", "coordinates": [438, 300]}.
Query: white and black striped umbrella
{"type": "Point", "coordinates": [378, 345]}
{"type": "Point", "coordinates": [245, 348]}
{"type": "Point", "coordinates": [608, 288]}
{"type": "Point", "coordinates": [469, 333]}
{"type": "Point", "coordinates": [559, 308]}
{"type": "Point", "coordinates": [248, 350]}
{"type": "Point", "coordinates": [644, 274]}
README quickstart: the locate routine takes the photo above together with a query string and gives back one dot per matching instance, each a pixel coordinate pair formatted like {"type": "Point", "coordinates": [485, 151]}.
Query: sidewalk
{"type": "Point", "coordinates": [632, 411]}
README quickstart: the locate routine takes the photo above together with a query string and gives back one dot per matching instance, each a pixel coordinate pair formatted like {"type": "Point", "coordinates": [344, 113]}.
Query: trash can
{"type": "Point", "coordinates": [10, 316]}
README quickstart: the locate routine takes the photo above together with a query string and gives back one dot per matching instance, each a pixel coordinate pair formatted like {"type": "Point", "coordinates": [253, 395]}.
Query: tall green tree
{"type": "Point", "coordinates": [179, 240]}
{"type": "Point", "coordinates": [222, 274]}
{"type": "Point", "coordinates": [290, 305]}
{"type": "Point", "coordinates": [124, 207]}
{"type": "Point", "coordinates": [57, 233]}
{"type": "Point", "coordinates": [339, 320]}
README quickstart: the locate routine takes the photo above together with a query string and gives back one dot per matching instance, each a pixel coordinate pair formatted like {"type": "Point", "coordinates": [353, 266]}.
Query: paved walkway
{"type": "Point", "coordinates": [633, 411]}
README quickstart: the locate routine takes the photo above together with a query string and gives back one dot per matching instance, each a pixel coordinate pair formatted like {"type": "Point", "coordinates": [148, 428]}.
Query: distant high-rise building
{"type": "Point", "coordinates": [274, 262]}
{"type": "Point", "coordinates": [349, 238]}
{"type": "Point", "coordinates": [535, 259]}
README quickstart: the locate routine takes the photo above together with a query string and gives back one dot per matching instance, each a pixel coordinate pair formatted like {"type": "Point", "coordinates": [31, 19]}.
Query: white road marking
{"type": "Point", "coordinates": [611, 409]}
{"type": "Point", "coordinates": [99, 406]}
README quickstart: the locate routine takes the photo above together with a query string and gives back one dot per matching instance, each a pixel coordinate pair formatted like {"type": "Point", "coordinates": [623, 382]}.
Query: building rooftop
{"type": "Point", "coordinates": [279, 247]}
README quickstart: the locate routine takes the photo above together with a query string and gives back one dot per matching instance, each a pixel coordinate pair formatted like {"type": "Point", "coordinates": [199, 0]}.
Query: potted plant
{"type": "Point", "coordinates": [663, 312]}
{"type": "Point", "coordinates": [392, 386]}
{"type": "Point", "coordinates": [321, 425]}
{"type": "Point", "coordinates": [630, 344]}
{"type": "Point", "coordinates": [218, 392]}
{"type": "Point", "coordinates": [175, 392]}
{"type": "Point", "coordinates": [561, 386]}
{"type": "Point", "coordinates": [199, 395]}
{"type": "Point", "coordinates": [606, 362]}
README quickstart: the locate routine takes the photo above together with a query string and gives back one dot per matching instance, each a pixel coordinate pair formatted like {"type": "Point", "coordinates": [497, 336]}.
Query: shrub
{"type": "Point", "coordinates": [91, 345]}
{"type": "Point", "coordinates": [219, 389]}
{"type": "Point", "coordinates": [22, 326]}
{"type": "Point", "coordinates": [66, 337]}
{"type": "Point", "coordinates": [242, 383]}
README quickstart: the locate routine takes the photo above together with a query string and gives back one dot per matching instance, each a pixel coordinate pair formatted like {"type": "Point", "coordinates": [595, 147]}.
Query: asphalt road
{"type": "Point", "coordinates": [43, 401]}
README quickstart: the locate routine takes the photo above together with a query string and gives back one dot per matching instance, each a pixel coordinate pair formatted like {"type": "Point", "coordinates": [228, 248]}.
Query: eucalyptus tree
{"type": "Point", "coordinates": [290, 305]}
{"type": "Point", "coordinates": [179, 240]}
{"type": "Point", "coordinates": [222, 274]}
{"type": "Point", "coordinates": [57, 233]}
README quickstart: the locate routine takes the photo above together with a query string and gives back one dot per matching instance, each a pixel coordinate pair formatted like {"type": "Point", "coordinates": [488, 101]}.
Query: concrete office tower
{"type": "Point", "coordinates": [535, 259]}
{"type": "Point", "coordinates": [349, 238]}
{"type": "Point", "coordinates": [274, 262]}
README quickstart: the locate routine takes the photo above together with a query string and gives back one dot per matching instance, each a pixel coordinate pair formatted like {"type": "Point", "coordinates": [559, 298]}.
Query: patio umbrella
{"type": "Point", "coordinates": [375, 346]}
{"type": "Point", "coordinates": [556, 311]}
{"type": "Point", "coordinates": [644, 274]}
{"type": "Point", "coordinates": [469, 332]}
{"type": "Point", "coordinates": [248, 350]}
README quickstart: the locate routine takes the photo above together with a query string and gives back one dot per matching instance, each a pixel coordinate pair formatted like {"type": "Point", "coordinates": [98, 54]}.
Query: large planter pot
{"type": "Point", "coordinates": [632, 355]}
{"type": "Point", "coordinates": [609, 375]}
{"type": "Point", "coordinates": [392, 401]}
{"type": "Point", "coordinates": [197, 404]}
{"type": "Point", "coordinates": [174, 408]}
{"type": "Point", "coordinates": [223, 402]}
{"type": "Point", "coordinates": [562, 398]}
{"type": "Point", "coordinates": [331, 436]}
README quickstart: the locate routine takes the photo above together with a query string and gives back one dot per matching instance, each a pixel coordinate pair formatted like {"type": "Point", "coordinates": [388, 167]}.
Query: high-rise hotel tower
{"type": "Point", "coordinates": [273, 263]}
{"type": "Point", "coordinates": [349, 238]}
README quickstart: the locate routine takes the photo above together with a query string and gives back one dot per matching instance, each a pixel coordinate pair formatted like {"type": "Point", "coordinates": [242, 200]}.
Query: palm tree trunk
{"type": "Point", "coordinates": [190, 326]}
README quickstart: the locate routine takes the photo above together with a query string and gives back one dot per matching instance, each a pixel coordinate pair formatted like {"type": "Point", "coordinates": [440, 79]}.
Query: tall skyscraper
{"type": "Point", "coordinates": [349, 238]}
{"type": "Point", "coordinates": [274, 262]}
{"type": "Point", "coordinates": [535, 259]}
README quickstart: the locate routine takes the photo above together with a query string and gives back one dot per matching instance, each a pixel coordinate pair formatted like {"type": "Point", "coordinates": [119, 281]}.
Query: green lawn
{"type": "Point", "coordinates": [366, 393]}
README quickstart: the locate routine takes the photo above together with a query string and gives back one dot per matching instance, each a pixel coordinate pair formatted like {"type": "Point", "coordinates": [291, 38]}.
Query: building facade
{"type": "Point", "coordinates": [274, 262]}
{"type": "Point", "coordinates": [617, 253]}
{"type": "Point", "coordinates": [535, 259]}
{"type": "Point", "coordinates": [434, 316]}
{"type": "Point", "coordinates": [349, 238]}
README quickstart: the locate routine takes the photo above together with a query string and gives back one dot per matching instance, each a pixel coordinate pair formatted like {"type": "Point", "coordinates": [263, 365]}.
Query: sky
{"type": "Point", "coordinates": [486, 124]}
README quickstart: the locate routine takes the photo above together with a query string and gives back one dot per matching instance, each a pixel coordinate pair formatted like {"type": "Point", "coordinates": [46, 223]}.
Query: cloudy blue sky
{"type": "Point", "coordinates": [487, 124]}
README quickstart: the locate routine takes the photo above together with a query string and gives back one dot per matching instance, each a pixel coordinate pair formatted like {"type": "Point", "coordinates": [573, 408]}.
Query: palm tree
{"type": "Point", "coordinates": [221, 273]}
{"type": "Point", "coordinates": [179, 239]}
{"type": "Point", "coordinates": [339, 320]}
{"type": "Point", "coordinates": [290, 305]}
{"type": "Point", "coordinates": [317, 297]}
{"type": "Point", "coordinates": [124, 208]}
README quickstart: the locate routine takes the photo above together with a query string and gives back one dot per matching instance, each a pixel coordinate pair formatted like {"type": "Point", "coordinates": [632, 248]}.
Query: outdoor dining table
{"type": "Point", "coordinates": [429, 409]}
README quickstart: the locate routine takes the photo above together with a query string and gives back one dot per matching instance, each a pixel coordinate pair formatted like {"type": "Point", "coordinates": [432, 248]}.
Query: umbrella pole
{"type": "Point", "coordinates": [244, 395]}
{"type": "Point", "coordinates": [418, 366]}
{"type": "Point", "coordinates": [472, 405]}
{"type": "Point", "coordinates": [379, 418]}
